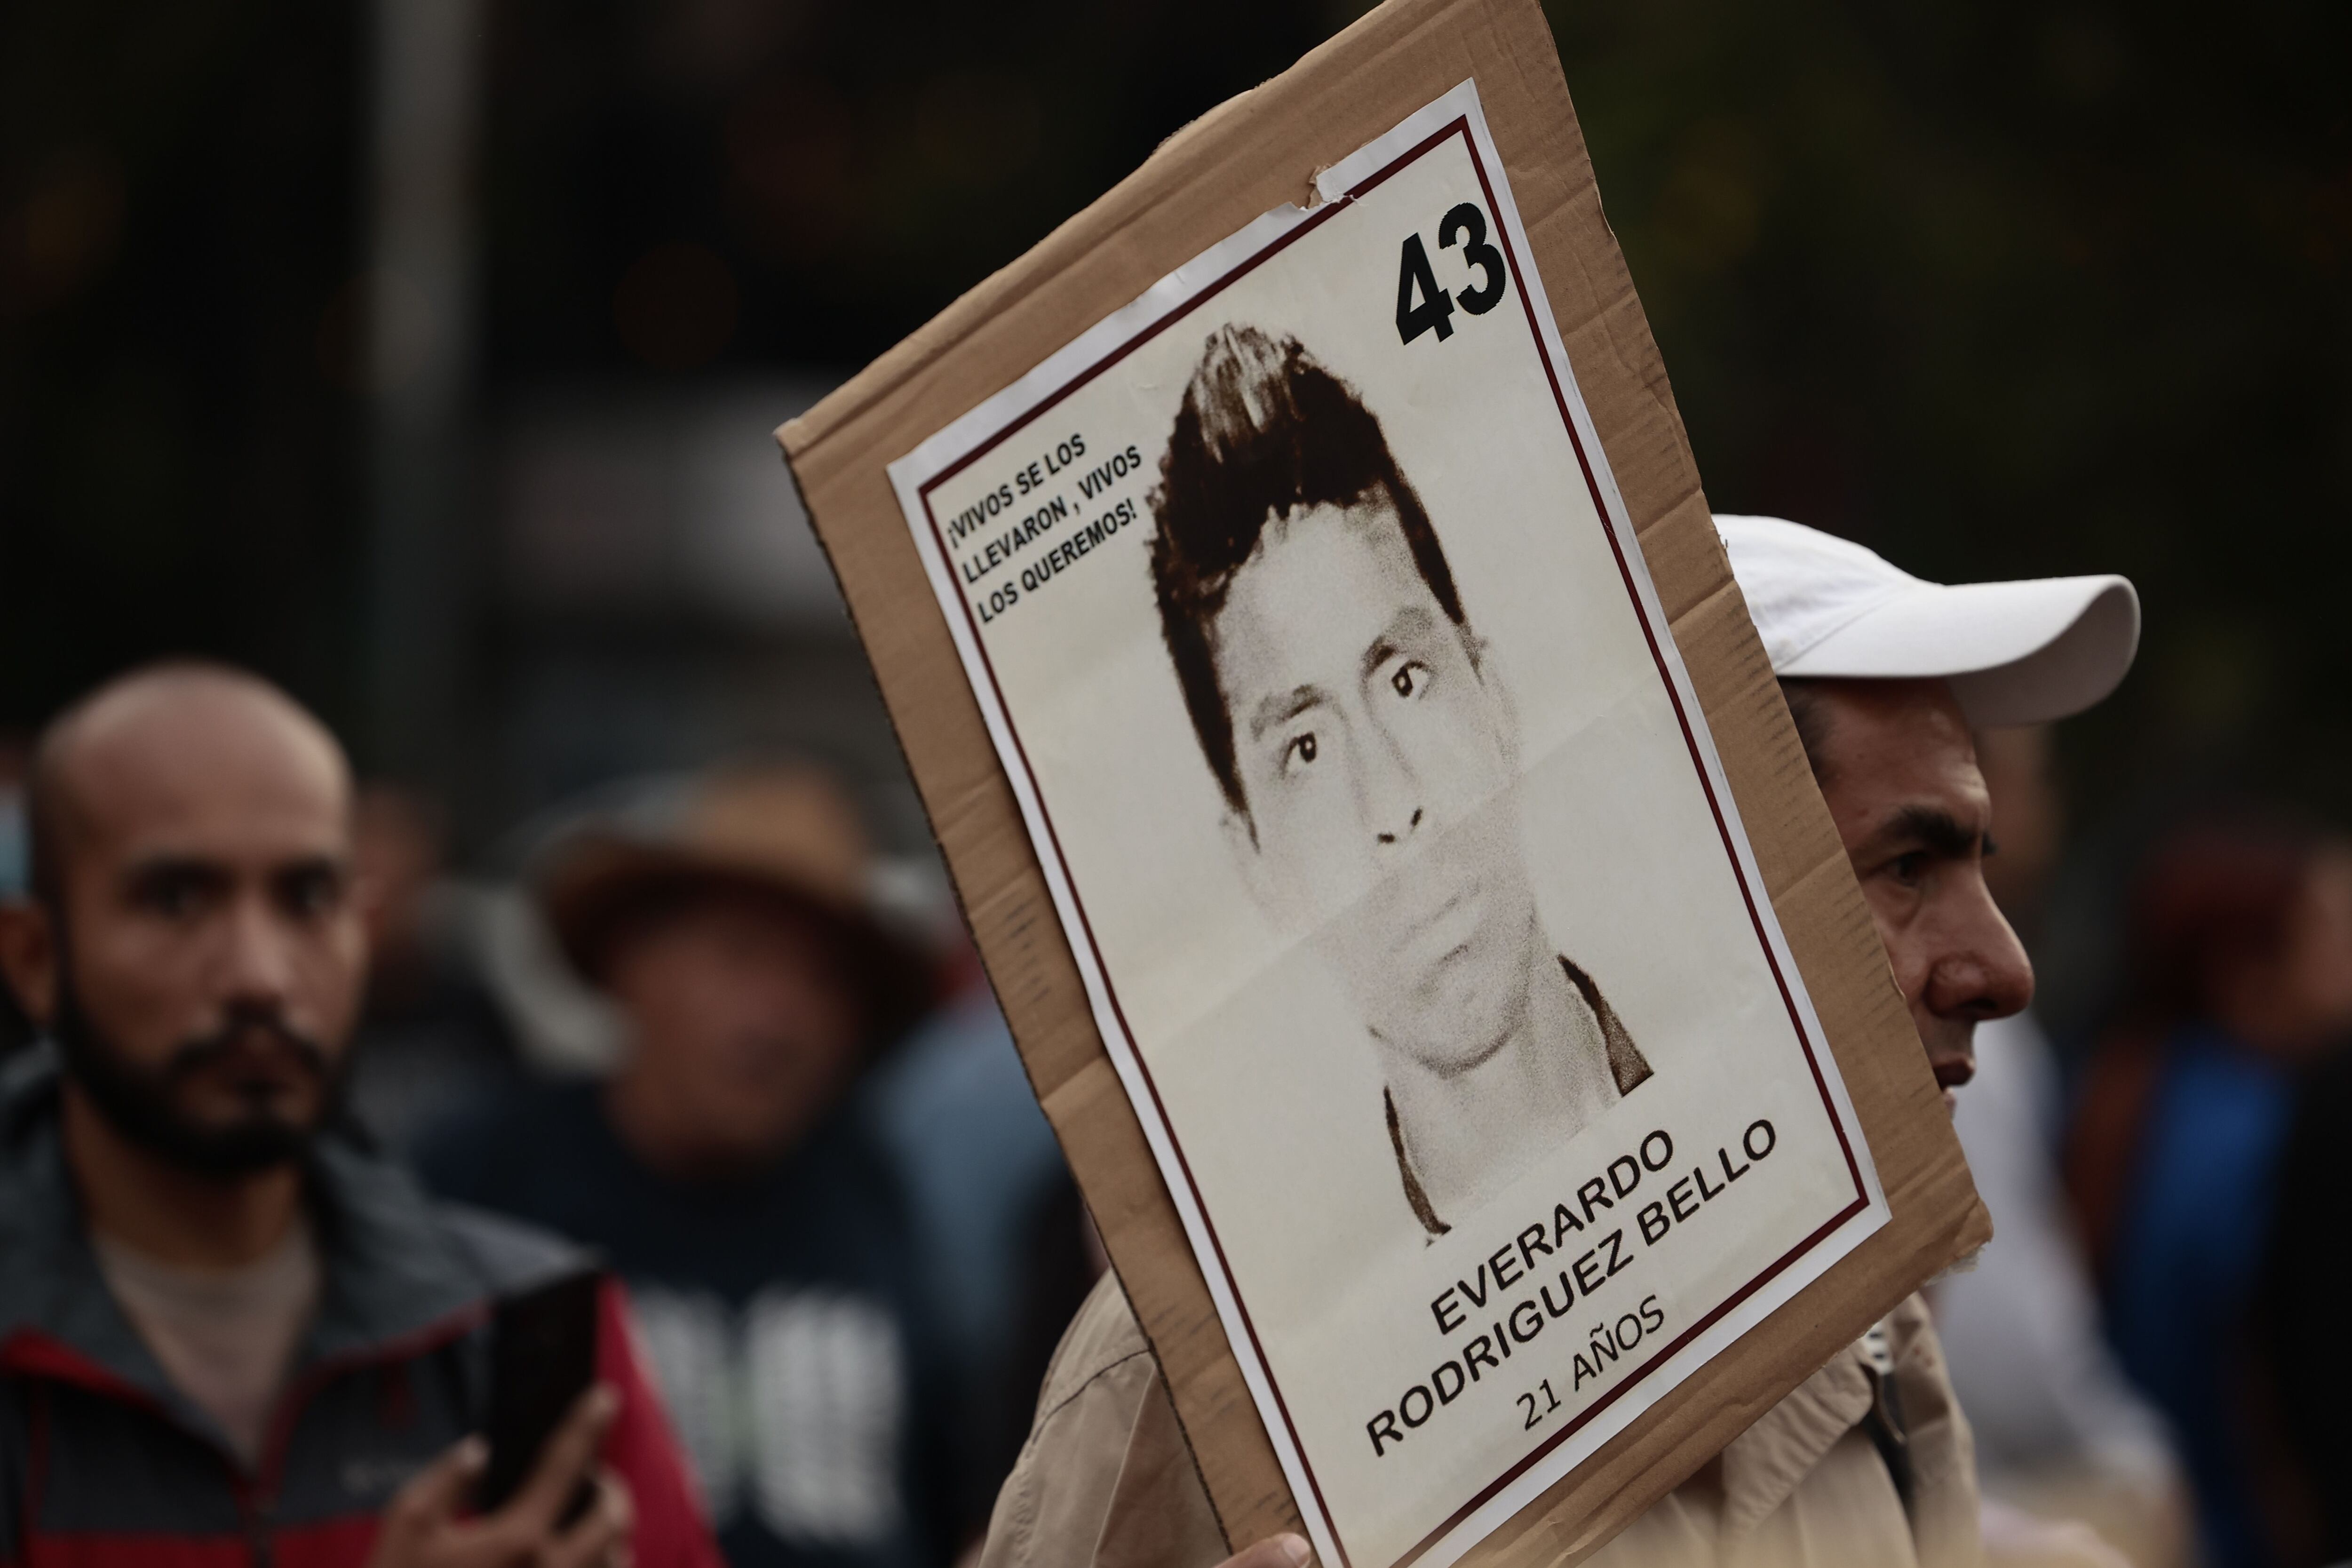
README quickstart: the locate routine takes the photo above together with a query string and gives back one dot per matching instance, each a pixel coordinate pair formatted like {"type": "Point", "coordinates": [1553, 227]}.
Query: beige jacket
{"type": "Point", "coordinates": [1105, 1478]}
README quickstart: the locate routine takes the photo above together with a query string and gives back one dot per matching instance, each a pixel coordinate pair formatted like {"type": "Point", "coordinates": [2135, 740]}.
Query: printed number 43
{"type": "Point", "coordinates": [1432, 310]}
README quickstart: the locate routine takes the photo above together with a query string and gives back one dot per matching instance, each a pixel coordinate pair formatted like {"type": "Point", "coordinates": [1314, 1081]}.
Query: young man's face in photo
{"type": "Point", "coordinates": [1376, 760]}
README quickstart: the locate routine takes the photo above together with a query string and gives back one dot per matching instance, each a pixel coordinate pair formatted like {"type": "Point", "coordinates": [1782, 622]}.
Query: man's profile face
{"type": "Point", "coordinates": [1898, 768]}
{"type": "Point", "coordinates": [1376, 760]}
{"type": "Point", "coordinates": [206, 972]}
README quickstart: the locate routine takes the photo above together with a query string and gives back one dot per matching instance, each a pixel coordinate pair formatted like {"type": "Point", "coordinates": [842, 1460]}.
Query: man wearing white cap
{"type": "Point", "coordinates": [2022, 1330]}
{"type": "Point", "coordinates": [1868, 1461]}
{"type": "Point", "coordinates": [1887, 678]}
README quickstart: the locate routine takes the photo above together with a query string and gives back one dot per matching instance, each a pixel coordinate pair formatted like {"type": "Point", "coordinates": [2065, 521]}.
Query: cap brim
{"type": "Point", "coordinates": [2016, 653]}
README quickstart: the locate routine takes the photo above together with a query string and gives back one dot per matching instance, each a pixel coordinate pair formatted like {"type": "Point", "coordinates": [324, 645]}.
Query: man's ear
{"type": "Point", "coordinates": [28, 957]}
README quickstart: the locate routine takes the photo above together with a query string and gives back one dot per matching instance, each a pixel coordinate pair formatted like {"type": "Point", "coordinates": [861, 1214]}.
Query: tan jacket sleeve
{"type": "Point", "coordinates": [1106, 1477]}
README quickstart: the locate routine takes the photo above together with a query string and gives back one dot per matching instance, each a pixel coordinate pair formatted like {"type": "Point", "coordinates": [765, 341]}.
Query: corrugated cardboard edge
{"type": "Point", "coordinates": [1203, 183]}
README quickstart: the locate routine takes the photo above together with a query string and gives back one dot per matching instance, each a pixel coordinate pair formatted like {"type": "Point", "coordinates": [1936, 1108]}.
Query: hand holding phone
{"type": "Point", "coordinates": [542, 1359]}
{"type": "Point", "coordinates": [429, 1524]}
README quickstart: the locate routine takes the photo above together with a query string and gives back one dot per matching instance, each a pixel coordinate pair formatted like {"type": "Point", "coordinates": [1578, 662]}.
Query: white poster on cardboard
{"type": "Point", "coordinates": [1376, 807]}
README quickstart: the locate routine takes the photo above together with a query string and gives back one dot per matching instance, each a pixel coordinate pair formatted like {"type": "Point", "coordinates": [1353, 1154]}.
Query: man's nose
{"type": "Point", "coordinates": [258, 965]}
{"type": "Point", "coordinates": [1393, 795]}
{"type": "Point", "coordinates": [1983, 972]}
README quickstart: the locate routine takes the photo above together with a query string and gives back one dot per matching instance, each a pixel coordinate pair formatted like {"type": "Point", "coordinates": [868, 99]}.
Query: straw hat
{"type": "Point", "coordinates": [783, 831]}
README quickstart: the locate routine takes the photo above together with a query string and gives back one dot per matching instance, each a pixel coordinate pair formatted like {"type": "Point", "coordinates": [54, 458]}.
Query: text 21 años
{"type": "Point", "coordinates": [1422, 305]}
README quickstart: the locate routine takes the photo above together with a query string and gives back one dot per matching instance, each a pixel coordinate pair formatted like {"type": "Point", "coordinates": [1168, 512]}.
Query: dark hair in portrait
{"type": "Point", "coordinates": [1264, 430]}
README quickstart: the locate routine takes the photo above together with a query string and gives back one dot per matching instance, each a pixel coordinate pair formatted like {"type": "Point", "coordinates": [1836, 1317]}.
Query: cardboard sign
{"type": "Point", "coordinates": [1378, 817]}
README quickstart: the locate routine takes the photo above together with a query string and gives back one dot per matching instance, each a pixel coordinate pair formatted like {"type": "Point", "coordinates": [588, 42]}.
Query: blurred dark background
{"type": "Point", "coordinates": [422, 354]}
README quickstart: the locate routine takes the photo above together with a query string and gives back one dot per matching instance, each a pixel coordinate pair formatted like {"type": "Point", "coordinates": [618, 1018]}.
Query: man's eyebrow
{"type": "Point", "coordinates": [174, 866]}
{"type": "Point", "coordinates": [180, 864]}
{"type": "Point", "coordinates": [313, 863]}
{"type": "Point", "coordinates": [1408, 623]}
{"type": "Point", "coordinates": [1281, 706]}
{"type": "Point", "coordinates": [1935, 829]}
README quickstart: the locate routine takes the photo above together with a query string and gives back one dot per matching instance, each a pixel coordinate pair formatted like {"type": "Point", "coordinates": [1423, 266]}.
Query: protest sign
{"type": "Point", "coordinates": [1295, 597]}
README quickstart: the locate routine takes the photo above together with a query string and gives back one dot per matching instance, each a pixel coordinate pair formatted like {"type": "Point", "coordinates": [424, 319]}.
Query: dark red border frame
{"type": "Point", "coordinates": [1459, 126]}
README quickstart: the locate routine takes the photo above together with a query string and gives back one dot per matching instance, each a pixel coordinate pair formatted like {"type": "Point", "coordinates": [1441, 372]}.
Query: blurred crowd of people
{"type": "Point", "coordinates": [2148, 1344]}
{"type": "Point", "coordinates": [698, 1028]}
{"type": "Point", "coordinates": [702, 1033]}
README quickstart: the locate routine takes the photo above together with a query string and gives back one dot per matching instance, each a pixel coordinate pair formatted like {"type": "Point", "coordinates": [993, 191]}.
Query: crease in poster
{"type": "Point", "coordinates": [1402, 873]}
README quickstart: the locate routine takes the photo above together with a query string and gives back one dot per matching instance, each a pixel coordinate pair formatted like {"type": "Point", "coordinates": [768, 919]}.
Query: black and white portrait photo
{"type": "Point", "coordinates": [1366, 755]}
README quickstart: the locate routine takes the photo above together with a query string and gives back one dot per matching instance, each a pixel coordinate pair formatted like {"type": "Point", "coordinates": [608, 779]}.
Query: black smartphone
{"type": "Point", "coordinates": [542, 1359]}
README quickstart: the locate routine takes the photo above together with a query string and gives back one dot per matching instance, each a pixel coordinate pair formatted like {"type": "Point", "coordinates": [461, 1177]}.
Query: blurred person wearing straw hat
{"type": "Point", "coordinates": [723, 1166]}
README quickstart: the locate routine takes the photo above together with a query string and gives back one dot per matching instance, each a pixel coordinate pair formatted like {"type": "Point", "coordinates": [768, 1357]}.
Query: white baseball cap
{"type": "Point", "coordinates": [2016, 653]}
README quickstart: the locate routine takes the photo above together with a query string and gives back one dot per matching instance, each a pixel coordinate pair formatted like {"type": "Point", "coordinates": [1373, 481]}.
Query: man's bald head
{"type": "Point", "coordinates": [139, 736]}
{"type": "Point", "coordinates": [197, 951]}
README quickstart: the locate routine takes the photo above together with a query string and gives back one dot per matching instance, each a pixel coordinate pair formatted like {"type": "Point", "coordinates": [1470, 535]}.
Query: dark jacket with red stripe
{"type": "Point", "coordinates": [104, 1464]}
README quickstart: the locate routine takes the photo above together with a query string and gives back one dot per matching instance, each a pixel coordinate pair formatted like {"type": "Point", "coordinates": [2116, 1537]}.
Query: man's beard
{"type": "Point", "coordinates": [142, 1103]}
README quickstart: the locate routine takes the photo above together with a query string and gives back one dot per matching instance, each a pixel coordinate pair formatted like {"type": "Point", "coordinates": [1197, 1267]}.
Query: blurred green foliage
{"type": "Point", "coordinates": [2006, 290]}
{"type": "Point", "coordinates": [855, 166]}
{"type": "Point", "coordinates": [178, 204]}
